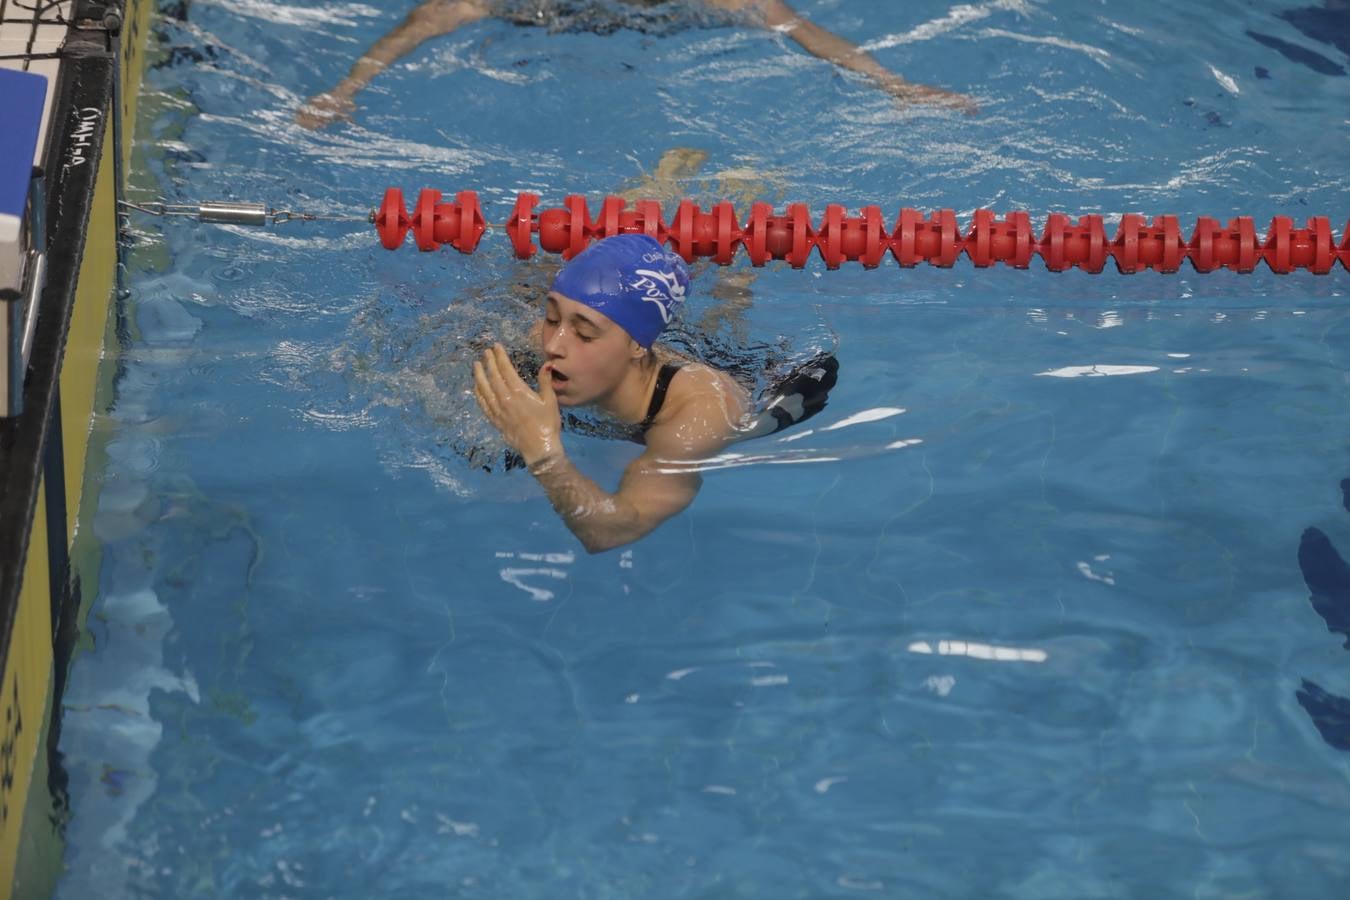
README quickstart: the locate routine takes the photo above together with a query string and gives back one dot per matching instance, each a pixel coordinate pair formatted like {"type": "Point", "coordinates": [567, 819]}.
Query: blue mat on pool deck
{"type": "Point", "coordinates": [21, 98]}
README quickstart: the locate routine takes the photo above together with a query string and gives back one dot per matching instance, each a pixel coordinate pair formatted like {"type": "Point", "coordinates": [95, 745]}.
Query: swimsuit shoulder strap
{"type": "Point", "coordinates": [663, 379]}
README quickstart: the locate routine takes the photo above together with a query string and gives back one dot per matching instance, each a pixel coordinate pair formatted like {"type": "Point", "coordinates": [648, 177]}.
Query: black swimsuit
{"type": "Point", "coordinates": [656, 17]}
{"type": "Point", "coordinates": [798, 397]}
{"type": "Point", "coordinates": [663, 379]}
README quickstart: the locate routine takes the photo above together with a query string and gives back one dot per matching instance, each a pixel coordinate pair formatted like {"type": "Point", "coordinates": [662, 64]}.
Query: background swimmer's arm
{"type": "Point", "coordinates": [430, 19]}
{"type": "Point", "coordinates": [844, 53]}
{"type": "Point", "coordinates": [655, 486]}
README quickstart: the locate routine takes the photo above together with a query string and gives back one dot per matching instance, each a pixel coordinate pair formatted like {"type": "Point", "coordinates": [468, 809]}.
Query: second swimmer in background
{"type": "Point", "coordinates": [433, 18]}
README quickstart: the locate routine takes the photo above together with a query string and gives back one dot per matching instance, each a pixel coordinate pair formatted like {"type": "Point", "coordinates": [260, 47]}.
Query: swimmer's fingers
{"type": "Point", "coordinates": [322, 110]}
{"type": "Point", "coordinates": [493, 376]}
{"type": "Point", "coordinates": [507, 369]}
{"type": "Point", "coordinates": [963, 103]}
{"type": "Point", "coordinates": [908, 92]}
{"type": "Point", "coordinates": [482, 392]}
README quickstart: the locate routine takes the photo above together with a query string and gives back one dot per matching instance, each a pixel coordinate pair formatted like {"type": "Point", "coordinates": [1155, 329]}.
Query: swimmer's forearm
{"type": "Point", "coordinates": [822, 43]}
{"type": "Point", "coordinates": [387, 50]}
{"type": "Point", "coordinates": [600, 520]}
{"type": "Point", "coordinates": [430, 19]}
{"type": "Point", "coordinates": [847, 55]}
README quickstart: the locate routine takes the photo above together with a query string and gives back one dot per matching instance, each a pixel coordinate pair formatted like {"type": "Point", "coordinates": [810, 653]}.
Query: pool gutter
{"type": "Point", "coordinates": [43, 449]}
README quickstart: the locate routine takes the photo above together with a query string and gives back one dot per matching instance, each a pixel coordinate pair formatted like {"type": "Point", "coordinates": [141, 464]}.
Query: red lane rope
{"type": "Point", "coordinates": [935, 239]}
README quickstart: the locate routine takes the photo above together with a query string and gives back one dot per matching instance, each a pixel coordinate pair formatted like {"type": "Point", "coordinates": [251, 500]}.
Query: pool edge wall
{"type": "Point", "coordinates": [49, 557]}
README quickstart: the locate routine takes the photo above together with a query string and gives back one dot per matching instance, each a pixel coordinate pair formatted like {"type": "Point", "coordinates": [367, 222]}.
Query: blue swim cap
{"type": "Point", "coordinates": [630, 278]}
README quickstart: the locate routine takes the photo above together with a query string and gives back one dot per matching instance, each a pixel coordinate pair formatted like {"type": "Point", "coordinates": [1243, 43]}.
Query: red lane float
{"type": "Point", "coordinates": [433, 223]}
{"type": "Point", "coordinates": [936, 239]}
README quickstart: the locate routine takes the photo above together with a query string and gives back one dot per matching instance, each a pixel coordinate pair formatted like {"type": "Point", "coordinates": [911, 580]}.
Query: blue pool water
{"type": "Point", "coordinates": [1038, 635]}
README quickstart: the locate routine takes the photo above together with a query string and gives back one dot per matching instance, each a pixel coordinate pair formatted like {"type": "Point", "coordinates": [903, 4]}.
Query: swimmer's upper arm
{"type": "Point", "coordinates": [776, 13]}
{"type": "Point", "coordinates": [665, 478]}
{"type": "Point", "coordinates": [442, 16]}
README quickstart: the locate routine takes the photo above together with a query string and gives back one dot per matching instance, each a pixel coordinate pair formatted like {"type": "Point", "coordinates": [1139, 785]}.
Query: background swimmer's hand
{"type": "Point", "coordinates": [322, 110]}
{"type": "Point", "coordinates": [908, 92]}
{"type": "Point", "coordinates": [528, 420]}
{"type": "Point", "coordinates": [429, 19]}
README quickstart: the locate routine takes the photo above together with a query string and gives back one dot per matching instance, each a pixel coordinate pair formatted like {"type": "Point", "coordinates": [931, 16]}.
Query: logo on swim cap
{"type": "Point", "coordinates": [632, 279]}
{"type": "Point", "coordinates": [662, 288]}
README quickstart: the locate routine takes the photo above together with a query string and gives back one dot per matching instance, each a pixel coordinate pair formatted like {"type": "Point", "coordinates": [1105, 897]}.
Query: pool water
{"type": "Point", "coordinates": [1021, 615]}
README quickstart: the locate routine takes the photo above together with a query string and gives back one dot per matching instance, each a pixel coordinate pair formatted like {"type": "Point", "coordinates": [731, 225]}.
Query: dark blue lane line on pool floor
{"type": "Point", "coordinates": [1328, 578]}
{"type": "Point", "coordinates": [1326, 24]}
{"type": "Point", "coordinates": [1299, 54]}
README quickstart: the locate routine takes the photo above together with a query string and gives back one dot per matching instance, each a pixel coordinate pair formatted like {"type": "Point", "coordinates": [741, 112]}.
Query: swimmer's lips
{"type": "Point", "coordinates": [558, 377]}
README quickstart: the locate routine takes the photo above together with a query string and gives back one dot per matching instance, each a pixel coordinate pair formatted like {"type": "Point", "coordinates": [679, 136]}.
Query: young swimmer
{"type": "Point", "coordinates": [601, 320]}
{"type": "Point", "coordinates": [433, 18]}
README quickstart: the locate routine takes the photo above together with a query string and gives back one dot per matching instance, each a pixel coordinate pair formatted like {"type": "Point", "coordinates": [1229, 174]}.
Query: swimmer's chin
{"type": "Point", "coordinates": [569, 400]}
{"type": "Point", "coordinates": [566, 401]}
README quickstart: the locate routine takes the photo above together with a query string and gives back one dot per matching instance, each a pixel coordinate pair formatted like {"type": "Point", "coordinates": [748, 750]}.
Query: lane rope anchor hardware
{"type": "Point", "coordinates": [229, 212]}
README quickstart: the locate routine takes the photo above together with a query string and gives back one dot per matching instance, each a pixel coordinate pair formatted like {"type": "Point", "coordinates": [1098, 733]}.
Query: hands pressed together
{"type": "Point", "coordinates": [528, 420]}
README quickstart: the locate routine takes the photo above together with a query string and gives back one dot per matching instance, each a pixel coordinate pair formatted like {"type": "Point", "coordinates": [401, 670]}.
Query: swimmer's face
{"type": "Point", "coordinates": [589, 354]}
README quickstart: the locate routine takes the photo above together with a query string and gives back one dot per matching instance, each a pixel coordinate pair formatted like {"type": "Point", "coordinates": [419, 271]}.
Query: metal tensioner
{"type": "Point", "coordinates": [231, 212]}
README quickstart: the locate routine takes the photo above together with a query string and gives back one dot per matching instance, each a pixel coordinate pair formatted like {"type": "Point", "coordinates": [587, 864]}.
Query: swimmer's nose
{"type": "Point", "coordinates": [553, 343]}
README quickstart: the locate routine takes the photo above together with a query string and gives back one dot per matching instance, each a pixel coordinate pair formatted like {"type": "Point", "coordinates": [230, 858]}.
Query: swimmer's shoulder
{"type": "Point", "coordinates": [449, 14]}
{"type": "Point", "coordinates": [702, 398]}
